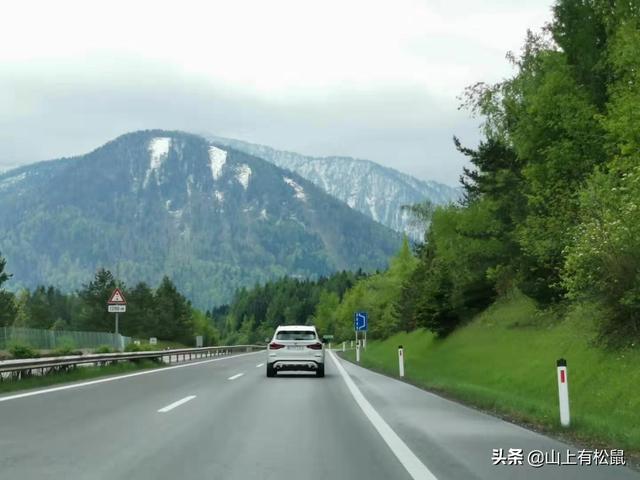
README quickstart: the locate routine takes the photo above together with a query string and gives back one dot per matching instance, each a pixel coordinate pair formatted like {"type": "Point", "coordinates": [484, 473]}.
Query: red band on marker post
{"type": "Point", "coordinates": [563, 392]}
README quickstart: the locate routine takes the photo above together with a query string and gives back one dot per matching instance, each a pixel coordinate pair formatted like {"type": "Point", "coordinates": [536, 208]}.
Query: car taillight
{"type": "Point", "coordinates": [275, 346]}
{"type": "Point", "coordinates": [315, 346]}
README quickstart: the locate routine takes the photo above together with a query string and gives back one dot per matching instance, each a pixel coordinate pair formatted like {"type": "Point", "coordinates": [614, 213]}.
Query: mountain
{"type": "Point", "coordinates": [378, 192]}
{"type": "Point", "coordinates": [155, 202]}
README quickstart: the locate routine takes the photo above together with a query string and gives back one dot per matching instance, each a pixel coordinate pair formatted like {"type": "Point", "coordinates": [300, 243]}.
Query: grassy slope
{"type": "Point", "coordinates": [505, 360]}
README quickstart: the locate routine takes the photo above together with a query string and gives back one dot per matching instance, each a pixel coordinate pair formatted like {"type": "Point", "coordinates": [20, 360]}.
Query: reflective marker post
{"type": "Point", "coordinates": [401, 360]}
{"type": "Point", "coordinates": [563, 392]}
{"type": "Point", "coordinates": [357, 343]}
{"type": "Point", "coordinates": [358, 352]}
{"type": "Point", "coordinates": [344, 345]}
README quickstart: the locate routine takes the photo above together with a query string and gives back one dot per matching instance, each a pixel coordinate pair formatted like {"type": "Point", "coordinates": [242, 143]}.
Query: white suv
{"type": "Point", "coordinates": [295, 347]}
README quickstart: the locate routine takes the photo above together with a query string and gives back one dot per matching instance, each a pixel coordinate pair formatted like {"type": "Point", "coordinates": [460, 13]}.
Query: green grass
{"type": "Point", "coordinates": [79, 373]}
{"type": "Point", "coordinates": [505, 362]}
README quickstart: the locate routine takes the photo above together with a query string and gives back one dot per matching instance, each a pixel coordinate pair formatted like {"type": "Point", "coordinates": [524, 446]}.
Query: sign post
{"type": "Point", "coordinates": [117, 304]}
{"type": "Point", "coordinates": [563, 392]}
{"type": "Point", "coordinates": [360, 324]}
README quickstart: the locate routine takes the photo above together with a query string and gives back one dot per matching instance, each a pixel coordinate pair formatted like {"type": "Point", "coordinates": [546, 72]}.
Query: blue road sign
{"type": "Point", "coordinates": [361, 321]}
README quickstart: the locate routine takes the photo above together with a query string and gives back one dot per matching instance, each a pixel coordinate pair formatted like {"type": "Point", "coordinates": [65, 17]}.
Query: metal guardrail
{"type": "Point", "coordinates": [18, 369]}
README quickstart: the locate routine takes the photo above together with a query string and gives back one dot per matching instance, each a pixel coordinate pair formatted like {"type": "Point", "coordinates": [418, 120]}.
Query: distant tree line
{"type": "Point", "coordinates": [162, 312]}
{"type": "Point", "coordinates": [254, 313]}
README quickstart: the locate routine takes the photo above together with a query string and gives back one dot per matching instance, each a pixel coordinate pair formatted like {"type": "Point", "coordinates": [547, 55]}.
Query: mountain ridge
{"type": "Point", "coordinates": [378, 191]}
{"type": "Point", "coordinates": [157, 202]}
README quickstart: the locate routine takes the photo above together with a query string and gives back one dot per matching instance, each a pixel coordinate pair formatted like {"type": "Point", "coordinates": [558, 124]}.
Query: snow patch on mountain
{"type": "Point", "coordinates": [176, 214]}
{"type": "Point", "coordinates": [219, 195]}
{"type": "Point", "coordinates": [158, 152]}
{"type": "Point", "coordinates": [243, 173]}
{"type": "Point", "coordinates": [371, 202]}
{"type": "Point", "coordinates": [217, 159]}
{"type": "Point", "coordinates": [11, 181]}
{"type": "Point", "coordinates": [298, 190]}
{"type": "Point", "coordinates": [190, 185]}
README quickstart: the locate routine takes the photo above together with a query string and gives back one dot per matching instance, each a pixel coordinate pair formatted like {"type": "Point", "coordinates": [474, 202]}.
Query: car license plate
{"type": "Point", "coordinates": [295, 347]}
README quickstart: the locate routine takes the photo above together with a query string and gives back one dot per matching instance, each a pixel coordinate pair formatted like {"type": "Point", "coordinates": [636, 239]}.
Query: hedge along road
{"type": "Point", "coordinates": [225, 419]}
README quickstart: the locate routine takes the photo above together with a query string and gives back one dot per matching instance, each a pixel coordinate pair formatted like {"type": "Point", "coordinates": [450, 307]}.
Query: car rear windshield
{"type": "Point", "coordinates": [296, 335]}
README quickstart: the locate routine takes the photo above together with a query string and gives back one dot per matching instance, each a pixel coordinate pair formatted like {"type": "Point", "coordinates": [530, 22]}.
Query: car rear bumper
{"type": "Point", "coordinates": [282, 365]}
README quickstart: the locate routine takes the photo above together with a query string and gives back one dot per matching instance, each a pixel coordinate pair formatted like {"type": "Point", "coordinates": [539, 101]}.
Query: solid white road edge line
{"type": "Point", "coordinates": [237, 375]}
{"type": "Point", "coordinates": [407, 458]}
{"type": "Point", "coordinates": [260, 365]}
{"type": "Point", "coordinates": [111, 379]}
{"type": "Point", "coordinates": [173, 405]}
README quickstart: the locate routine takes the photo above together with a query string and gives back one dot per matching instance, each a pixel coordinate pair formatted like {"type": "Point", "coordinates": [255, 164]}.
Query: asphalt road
{"type": "Point", "coordinates": [223, 419]}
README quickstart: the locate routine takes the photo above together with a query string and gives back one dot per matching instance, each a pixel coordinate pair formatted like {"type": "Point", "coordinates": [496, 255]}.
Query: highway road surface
{"type": "Point", "coordinates": [223, 419]}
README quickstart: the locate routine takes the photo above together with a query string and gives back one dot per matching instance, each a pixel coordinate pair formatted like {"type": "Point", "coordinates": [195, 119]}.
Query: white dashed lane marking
{"type": "Point", "coordinates": [173, 405]}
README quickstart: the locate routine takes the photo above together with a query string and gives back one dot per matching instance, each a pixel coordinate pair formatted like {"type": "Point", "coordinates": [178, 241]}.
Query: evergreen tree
{"type": "Point", "coordinates": [7, 300]}
{"type": "Point", "coordinates": [173, 312]}
{"type": "Point", "coordinates": [94, 296]}
{"type": "Point", "coordinates": [140, 320]}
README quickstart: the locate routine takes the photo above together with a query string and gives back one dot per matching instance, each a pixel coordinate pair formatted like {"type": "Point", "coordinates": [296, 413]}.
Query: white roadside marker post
{"type": "Point", "coordinates": [563, 392]}
{"type": "Point", "coordinates": [401, 360]}
{"type": "Point", "coordinates": [358, 352]}
{"type": "Point", "coordinates": [351, 344]}
{"type": "Point", "coordinates": [344, 346]}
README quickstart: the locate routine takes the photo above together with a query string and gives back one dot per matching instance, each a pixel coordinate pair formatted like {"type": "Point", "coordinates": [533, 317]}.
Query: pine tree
{"type": "Point", "coordinates": [7, 300]}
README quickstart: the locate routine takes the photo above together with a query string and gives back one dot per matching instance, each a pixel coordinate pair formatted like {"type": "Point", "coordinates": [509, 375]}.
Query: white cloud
{"type": "Point", "coordinates": [276, 45]}
{"type": "Point", "coordinates": [271, 55]}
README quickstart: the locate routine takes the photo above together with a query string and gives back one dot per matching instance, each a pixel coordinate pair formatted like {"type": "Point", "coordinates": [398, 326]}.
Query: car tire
{"type": "Point", "coordinates": [320, 371]}
{"type": "Point", "coordinates": [271, 372]}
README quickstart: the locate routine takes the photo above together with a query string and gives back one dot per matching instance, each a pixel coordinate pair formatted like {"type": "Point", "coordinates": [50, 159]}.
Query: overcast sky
{"type": "Point", "coordinates": [368, 79]}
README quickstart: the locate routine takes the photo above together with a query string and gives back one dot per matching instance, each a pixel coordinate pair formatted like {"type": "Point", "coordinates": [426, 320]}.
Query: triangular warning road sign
{"type": "Point", "coordinates": [117, 298]}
